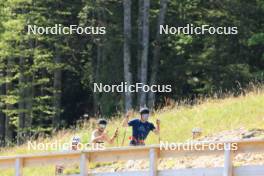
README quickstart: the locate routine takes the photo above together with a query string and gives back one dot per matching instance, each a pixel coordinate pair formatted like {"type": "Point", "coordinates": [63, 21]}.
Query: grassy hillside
{"type": "Point", "coordinates": [212, 115]}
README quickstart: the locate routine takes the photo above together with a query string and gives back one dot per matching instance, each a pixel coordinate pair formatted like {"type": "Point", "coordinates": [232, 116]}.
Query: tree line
{"type": "Point", "coordinates": [46, 81]}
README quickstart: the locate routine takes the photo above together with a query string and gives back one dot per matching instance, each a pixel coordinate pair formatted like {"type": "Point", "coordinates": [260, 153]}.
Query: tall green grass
{"type": "Point", "coordinates": [177, 121]}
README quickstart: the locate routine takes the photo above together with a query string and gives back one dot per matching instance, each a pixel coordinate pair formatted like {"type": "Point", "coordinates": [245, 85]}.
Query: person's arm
{"type": "Point", "coordinates": [126, 119]}
{"type": "Point", "coordinates": [95, 138]}
{"type": "Point", "coordinates": [108, 139]}
{"type": "Point", "coordinates": [157, 129]}
{"type": "Point", "coordinates": [111, 140]}
{"type": "Point", "coordinates": [125, 122]}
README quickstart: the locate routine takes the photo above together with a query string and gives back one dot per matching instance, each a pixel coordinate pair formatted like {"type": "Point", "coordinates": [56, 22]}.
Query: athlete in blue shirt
{"type": "Point", "coordinates": [141, 127]}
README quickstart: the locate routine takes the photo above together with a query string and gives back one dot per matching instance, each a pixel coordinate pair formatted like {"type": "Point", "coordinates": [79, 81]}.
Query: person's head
{"type": "Point", "coordinates": [75, 141]}
{"type": "Point", "coordinates": [101, 125]}
{"type": "Point", "coordinates": [196, 133]}
{"type": "Point", "coordinates": [144, 114]}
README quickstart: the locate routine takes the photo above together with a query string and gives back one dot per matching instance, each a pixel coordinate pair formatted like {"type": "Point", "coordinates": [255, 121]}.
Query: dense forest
{"type": "Point", "coordinates": [46, 81]}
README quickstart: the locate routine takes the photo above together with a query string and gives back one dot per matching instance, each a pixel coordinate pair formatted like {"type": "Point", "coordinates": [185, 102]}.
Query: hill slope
{"type": "Point", "coordinates": [219, 118]}
{"type": "Point", "coordinates": [212, 115]}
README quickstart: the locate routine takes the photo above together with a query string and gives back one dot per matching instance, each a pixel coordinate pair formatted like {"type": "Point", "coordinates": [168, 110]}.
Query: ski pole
{"type": "Point", "coordinates": [123, 140]}
{"type": "Point", "coordinates": [158, 127]}
{"type": "Point", "coordinates": [127, 116]}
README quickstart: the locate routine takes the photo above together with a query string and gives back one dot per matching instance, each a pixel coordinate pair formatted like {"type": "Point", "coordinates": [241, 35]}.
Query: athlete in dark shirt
{"type": "Point", "coordinates": [140, 127]}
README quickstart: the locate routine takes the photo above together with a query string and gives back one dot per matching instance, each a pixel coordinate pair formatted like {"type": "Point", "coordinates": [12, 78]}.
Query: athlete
{"type": "Point", "coordinates": [100, 136]}
{"type": "Point", "coordinates": [141, 127]}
